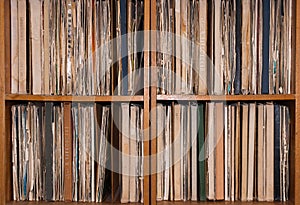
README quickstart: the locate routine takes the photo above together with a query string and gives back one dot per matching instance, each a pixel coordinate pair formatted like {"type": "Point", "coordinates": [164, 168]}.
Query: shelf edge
{"type": "Point", "coordinates": [15, 97]}
{"type": "Point", "coordinates": [281, 97]}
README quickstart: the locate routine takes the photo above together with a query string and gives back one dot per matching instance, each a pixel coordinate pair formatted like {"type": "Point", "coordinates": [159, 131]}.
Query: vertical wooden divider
{"type": "Point", "coordinates": [2, 108]}
{"type": "Point", "coordinates": [147, 183]}
{"type": "Point", "coordinates": [4, 65]}
{"type": "Point", "coordinates": [153, 104]}
{"type": "Point", "coordinates": [295, 191]}
{"type": "Point", "coordinates": [6, 89]}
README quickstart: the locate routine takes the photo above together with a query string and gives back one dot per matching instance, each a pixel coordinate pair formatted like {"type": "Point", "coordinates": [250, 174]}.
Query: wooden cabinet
{"type": "Point", "coordinates": [149, 100]}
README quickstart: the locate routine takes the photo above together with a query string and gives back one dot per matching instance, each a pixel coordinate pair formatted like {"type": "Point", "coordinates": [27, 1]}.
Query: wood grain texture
{"type": "Point", "coordinates": [63, 203]}
{"type": "Point", "coordinates": [223, 202]}
{"type": "Point", "coordinates": [226, 97]}
{"type": "Point", "coordinates": [295, 178]}
{"type": "Point", "coordinates": [3, 157]}
{"type": "Point", "coordinates": [147, 166]}
{"type": "Point", "coordinates": [13, 97]}
{"type": "Point", "coordinates": [159, 203]}
{"type": "Point", "coordinates": [153, 105]}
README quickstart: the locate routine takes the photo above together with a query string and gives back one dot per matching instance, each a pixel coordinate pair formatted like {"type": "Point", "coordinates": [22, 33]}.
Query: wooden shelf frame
{"type": "Point", "coordinates": [159, 203]}
{"type": "Point", "coordinates": [149, 100]}
{"type": "Point", "coordinates": [4, 65]}
{"type": "Point", "coordinates": [7, 99]}
{"type": "Point", "coordinates": [292, 100]}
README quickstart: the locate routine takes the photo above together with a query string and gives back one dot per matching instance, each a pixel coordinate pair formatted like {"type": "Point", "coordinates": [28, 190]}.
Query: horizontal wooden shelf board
{"type": "Point", "coordinates": [158, 203]}
{"type": "Point", "coordinates": [226, 97]}
{"type": "Point", "coordinates": [54, 98]}
{"type": "Point", "coordinates": [62, 203]}
{"type": "Point", "coordinates": [221, 202]}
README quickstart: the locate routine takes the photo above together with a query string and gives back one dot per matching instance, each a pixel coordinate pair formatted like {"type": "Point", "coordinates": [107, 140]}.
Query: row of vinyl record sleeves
{"type": "Point", "coordinates": [63, 152]}
{"type": "Point", "coordinates": [66, 47]}
{"type": "Point", "coordinates": [230, 152]}
{"type": "Point", "coordinates": [224, 47]}
{"type": "Point", "coordinates": [221, 47]}
{"type": "Point", "coordinates": [206, 151]}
